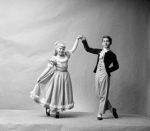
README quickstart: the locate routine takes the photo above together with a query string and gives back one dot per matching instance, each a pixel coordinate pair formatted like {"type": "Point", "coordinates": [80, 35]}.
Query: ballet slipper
{"type": "Point", "coordinates": [47, 113]}
{"type": "Point", "coordinates": [57, 115]}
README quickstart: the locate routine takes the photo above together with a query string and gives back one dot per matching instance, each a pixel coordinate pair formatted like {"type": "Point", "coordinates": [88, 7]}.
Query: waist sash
{"type": "Point", "coordinates": [61, 69]}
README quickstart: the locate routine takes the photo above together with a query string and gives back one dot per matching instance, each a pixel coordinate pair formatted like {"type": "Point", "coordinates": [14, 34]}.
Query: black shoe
{"type": "Point", "coordinates": [99, 118]}
{"type": "Point", "coordinates": [114, 112]}
{"type": "Point", "coordinates": [57, 115]}
{"type": "Point", "coordinates": [47, 113]}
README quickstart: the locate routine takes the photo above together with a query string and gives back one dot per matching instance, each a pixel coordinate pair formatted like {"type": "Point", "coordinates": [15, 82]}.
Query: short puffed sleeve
{"type": "Point", "coordinates": [51, 61]}
{"type": "Point", "coordinates": [69, 53]}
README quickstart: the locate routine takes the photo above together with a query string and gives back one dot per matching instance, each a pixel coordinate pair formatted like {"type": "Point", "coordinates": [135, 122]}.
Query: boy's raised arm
{"type": "Point", "coordinates": [89, 49]}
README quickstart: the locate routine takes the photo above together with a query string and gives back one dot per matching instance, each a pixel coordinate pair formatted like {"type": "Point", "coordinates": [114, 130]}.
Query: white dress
{"type": "Point", "coordinates": [54, 91]}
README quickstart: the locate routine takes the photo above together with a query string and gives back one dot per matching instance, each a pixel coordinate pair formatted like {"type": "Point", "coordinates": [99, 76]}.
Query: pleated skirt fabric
{"type": "Point", "coordinates": [54, 91]}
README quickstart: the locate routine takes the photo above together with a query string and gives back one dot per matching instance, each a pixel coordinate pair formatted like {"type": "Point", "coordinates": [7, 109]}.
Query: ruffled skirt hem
{"type": "Point", "coordinates": [53, 108]}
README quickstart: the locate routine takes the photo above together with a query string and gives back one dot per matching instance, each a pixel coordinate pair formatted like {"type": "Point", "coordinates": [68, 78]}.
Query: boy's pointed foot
{"type": "Point", "coordinates": [114, 112]}
{"type": "Point", "coordinates": [99, 118]}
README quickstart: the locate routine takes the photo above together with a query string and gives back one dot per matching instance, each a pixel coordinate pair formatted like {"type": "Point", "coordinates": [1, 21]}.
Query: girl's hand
{"type": "Point", "coordinates": [38, 80]}
{"type": "Point", "coordinates": [79, 37]}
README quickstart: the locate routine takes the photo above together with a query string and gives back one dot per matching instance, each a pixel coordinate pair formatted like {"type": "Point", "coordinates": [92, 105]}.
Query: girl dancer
{"type": "Point", "coordinates": [54, 89]}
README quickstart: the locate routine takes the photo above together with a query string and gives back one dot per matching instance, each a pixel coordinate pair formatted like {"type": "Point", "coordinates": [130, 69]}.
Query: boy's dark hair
{"type": "Point", "coordinates": [106, 36]}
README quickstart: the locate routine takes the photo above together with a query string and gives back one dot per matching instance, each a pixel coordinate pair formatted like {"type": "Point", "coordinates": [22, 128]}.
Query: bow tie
{"type": "Point", "coordinates": [102, 53]}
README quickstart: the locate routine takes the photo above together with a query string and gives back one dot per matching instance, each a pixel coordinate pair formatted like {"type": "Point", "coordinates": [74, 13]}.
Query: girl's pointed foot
{"type": "Point", "coordinates": [47, 112]}
{"type": "Point", "coordinates": [57, 115]}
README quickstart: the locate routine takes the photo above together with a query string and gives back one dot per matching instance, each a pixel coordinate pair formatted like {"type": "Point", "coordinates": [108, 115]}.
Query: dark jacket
{"type": "Point", "coordinates": [109, 58]}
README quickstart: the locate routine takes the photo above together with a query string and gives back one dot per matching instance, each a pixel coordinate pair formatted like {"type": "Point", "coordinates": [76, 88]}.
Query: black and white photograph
{"type": "Point", "coordinates": [74, 65]}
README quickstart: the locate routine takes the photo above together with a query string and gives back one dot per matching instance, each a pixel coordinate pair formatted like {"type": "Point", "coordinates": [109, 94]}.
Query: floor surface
{"type": "Point", "coordinates": [29, 120]}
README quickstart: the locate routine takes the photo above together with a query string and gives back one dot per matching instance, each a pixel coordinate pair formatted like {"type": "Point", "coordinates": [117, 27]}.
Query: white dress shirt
{"type": "Point", "coordinates": [102, 53]}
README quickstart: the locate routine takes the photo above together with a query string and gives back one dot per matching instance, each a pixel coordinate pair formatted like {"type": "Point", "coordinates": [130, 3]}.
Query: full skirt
{"type": "Point", "coordinates": [54, 91]}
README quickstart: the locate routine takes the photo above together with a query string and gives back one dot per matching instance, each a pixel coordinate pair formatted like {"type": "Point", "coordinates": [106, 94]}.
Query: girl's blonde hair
{"type": "Point", "coordinates": [58, 44]}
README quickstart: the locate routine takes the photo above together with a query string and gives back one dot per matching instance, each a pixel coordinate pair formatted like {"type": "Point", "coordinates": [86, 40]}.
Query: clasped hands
{"type": "Point", "coordinates": [81, 37]}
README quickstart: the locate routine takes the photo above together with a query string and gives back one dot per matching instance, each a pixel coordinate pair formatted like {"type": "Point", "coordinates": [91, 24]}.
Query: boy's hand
{"type": "Point", "coordinates": [79, 37]}
{"type": "Point", "coordinates": [83, 37]}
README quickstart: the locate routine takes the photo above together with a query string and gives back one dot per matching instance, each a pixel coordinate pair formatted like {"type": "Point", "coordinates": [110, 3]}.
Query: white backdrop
{"type": "Point", "coordinates": [29, 29]}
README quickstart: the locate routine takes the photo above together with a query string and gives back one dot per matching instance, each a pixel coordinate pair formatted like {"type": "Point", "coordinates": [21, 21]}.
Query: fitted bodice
{"type": "Point", "coordinates": [60, 63]}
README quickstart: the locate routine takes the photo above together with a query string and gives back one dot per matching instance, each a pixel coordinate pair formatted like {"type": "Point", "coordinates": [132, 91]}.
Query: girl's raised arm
{"type": "Point", "coordinates": [76, 43]}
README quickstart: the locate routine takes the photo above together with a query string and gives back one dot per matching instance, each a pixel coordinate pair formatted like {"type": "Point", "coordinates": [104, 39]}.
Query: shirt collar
{"type": "Point", "coordinates": [106, 49]}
